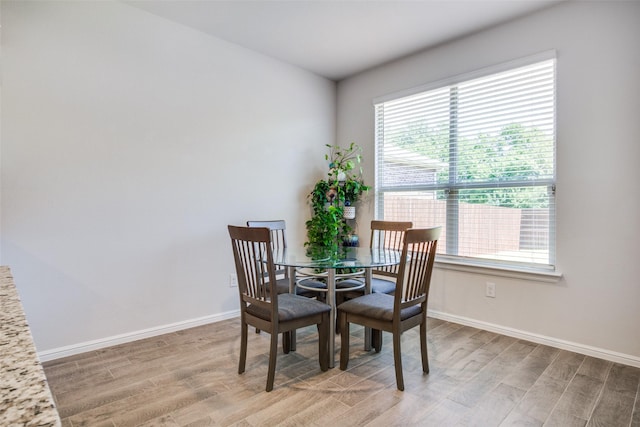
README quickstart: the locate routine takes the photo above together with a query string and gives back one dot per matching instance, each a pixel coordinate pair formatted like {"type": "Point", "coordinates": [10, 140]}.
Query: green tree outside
{"type": "Point", "coordinates": [515, 153]}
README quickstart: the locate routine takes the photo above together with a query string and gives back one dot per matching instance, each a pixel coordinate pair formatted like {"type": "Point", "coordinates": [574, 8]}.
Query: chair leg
{"type": "Point", "coordinates": [376, 339]}
{"type": "Point", "coordinates": [273, 353]}
{"type": "Point", "coordinates": [397, 360]}
{"type": "Point", "coordinates": [323, 343]}
{"type": "Point", "coordinates": [344, 341]}
{"type": "Point", "coordinates": [244, 328]}
{"type": "Point", "coordinates": [423, 346]}
{"type": "Point", "coordinates": [286, 342]}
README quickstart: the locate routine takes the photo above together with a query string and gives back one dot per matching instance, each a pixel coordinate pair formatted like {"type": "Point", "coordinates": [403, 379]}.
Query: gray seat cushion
{"type": "Point", "coordinates": [291, 307]}
{"type": "Point", "coordinates": [316, 284]}
{"type": "Point", "coordinates": [283, 288]}
{"type": "Point", "coordinates": [377, 306]}
{"type": "Point", "coordinates": [283, 285]}
{"type": "Point", "coordinates": [378, 286]}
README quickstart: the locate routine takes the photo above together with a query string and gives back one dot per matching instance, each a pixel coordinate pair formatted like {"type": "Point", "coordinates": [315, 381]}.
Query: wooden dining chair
{"type": "Point", "coordinates": [260, 304]}
{"type": "Point", "coordinates": [405, 309]}
{"type": "Point", "coordinates": [279, 243]}
{"type": "Point", "coordinates": [387, 235]}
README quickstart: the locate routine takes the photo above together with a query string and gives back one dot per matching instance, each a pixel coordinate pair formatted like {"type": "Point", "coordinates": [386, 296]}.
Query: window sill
{"type": "Point", "coordinates": [546, 276]}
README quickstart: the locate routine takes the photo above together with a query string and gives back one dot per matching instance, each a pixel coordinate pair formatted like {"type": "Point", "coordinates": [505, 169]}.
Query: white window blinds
{"type": "Point", "coordinates": [478, 158]}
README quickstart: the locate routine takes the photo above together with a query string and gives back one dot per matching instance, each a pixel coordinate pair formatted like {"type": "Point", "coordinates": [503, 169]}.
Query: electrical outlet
{"type": "Point", "coordinates": [233, 280]}
{"type": "Point", "coordinates": [491, 290]}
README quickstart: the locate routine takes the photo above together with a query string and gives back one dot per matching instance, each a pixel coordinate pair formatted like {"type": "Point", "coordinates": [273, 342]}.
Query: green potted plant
{"type": "Point", "coordinates": [345, 169]}
{"type": "Point", "coordinates": [326, 224]}
{"type": "Point", "coordinates": [330, 198]}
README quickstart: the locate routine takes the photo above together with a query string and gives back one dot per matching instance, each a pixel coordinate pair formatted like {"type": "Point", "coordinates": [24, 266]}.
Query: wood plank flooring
{"type": "Point", "coordinates": [478, 378]}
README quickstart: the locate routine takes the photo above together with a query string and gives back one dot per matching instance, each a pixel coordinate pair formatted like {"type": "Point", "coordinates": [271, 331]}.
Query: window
{"type": "Point", "coordinates": [476, 155]}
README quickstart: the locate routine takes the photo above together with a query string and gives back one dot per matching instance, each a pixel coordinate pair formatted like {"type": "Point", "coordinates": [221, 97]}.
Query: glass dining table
{"type": "Point", "coordinates": [332, 262]}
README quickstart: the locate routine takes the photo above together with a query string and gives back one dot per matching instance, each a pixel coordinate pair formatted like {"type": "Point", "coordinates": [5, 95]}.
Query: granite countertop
{"type": "Point", "coordinates": [25, 398]}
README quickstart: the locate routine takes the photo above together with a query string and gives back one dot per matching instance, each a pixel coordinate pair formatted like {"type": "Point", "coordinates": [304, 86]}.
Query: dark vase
{"type": "Point", "coordinates": [351, 240]}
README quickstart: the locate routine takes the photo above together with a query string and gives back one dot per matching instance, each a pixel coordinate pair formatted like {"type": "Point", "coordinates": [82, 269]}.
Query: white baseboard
{"type": "Point", "coordinates": [612, 356]}
{"type": "Point", "coordinates": [71, 350]}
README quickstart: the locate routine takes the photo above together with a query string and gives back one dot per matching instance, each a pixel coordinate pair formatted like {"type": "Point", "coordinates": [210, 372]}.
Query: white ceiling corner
{"type": "Point", "coordinates": [337, 39]}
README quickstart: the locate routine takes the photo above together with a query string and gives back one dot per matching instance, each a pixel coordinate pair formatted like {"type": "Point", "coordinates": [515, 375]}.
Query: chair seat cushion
{"type": "Point", "coordinates": [283, 288]}
{"type": "Point", "coordinates": [283, 285]}
{"type": "Point", "coordinates": [291, 307]}
{"type": "Point", "coordinates": [378, 286]}
{"type": "Point", "coordinates": [377, 306]}
{"type": "Point", "coordinates": [312, 283]}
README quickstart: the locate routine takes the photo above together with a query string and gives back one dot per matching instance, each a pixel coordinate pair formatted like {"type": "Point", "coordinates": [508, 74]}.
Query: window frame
{"type": "Point", "coordinates": [542, 272]}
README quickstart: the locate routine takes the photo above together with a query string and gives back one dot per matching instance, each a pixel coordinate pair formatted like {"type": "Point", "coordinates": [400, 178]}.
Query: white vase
{"type": "Point", "coordinates": [349, 212]}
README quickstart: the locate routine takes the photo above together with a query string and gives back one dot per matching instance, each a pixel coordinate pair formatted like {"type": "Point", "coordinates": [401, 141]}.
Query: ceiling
{"type": "Point", "coordinates": [334, 38]}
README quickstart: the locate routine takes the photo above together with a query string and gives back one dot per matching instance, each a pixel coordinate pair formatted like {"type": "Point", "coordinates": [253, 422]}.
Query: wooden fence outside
{"type": "Point", "coordinates": [483, 229]}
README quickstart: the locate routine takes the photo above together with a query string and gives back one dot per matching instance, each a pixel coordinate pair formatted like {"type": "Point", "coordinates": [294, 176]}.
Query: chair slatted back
{"type": "Point", "coordinates": [388, 235]}
{"type": "Point", "coordinates": [253, 257]}
{"type": "Point", "coordinates": [416, 266]}
{"type": "Point", "coordinates": [278, 232]}
{"type": "Point", "coordinates": [278, 237]}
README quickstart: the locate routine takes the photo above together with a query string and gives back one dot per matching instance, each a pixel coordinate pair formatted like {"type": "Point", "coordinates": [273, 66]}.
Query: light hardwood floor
{"type": "Point", "coordinates": [477, 378]}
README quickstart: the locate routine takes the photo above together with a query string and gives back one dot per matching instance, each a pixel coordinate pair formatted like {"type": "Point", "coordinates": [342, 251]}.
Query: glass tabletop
{"type": "Point", "coordinates": [345, 257]}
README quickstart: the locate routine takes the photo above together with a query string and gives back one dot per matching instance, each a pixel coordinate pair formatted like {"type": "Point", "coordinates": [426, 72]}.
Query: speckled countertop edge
{"type": "Point", "coordinates": [25, 398]}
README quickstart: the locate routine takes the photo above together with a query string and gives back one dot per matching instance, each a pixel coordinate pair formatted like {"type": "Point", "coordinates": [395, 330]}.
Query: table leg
{"type": "Point", "coordinates": [292, 290]}
{"type": "Point", "coordinates": [331, 299]}
{"type": "Point", "coordinates": [367, 290]}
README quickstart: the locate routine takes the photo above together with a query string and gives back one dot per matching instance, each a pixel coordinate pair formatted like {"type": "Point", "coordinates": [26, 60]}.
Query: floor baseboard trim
{"type": "Point", "coordinates": [599, 353]}
{"type": "Point", "coordinates": [71, 350]}
{"type": "Point", "coordinates": [58, 353]}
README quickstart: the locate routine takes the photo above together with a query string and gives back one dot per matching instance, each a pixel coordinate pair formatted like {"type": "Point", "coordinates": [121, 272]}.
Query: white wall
{"type": "Point", "coordinates": [596, 306]}
{"type": "Point", "coordinates": [128, 145]}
